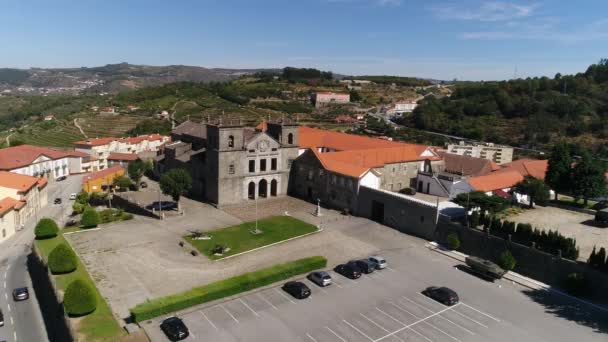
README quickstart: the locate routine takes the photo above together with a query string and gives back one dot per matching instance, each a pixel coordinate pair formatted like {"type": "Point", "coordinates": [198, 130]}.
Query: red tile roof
{"type": "Point", "coordinates": [42, 182]}
{"type": "Point", "coordinates": [262, 126]}
{"type": "Point", "coordinates": [496, 180]}
{"type": "Point", "coordinates": [102, 173]}
{"type": "Point", "coordinates": [123, 156]}
{"type": "Point", "coordinates": [19, 156]}
{"type": "Point", "coordinates": [21, 183]}
{"type": "Point", "coordinates": [528, 167]}
{"type": "Point", "coordinates": [20, 204]}
{"type": "Point", "coordinates": [313, 137]}
{"type": "Point", "coordinates": [7, 204]}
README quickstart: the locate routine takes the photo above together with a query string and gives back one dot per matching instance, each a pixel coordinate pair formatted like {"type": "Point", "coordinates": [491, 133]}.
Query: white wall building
{"type": "Point", "coordinates": [102, 148]}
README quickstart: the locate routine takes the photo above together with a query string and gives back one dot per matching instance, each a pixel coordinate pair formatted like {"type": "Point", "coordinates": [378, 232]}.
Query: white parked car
{"type": "Point", "coordinates": [379, 261]}
{"type": "Point", "coordinates": [73, 195]}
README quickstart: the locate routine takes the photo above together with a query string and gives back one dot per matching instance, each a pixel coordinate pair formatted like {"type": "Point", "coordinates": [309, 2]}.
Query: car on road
{"type": "Point", "coordinates": [62, 178]}
{"type": "Point", "coordinates": [320, 278]}
{"type": "Point", "coordinates": [443, 295]}
{"type": "Point", "coordinates": [378, 261]}
{"type": "Point", "coordinates": [57, 201]}
{"type": "Point", "coordinates": [21, 293]}
{"type": "Point", "coordinates": [143, 185]}
{"type": "Point", "coordinates": [348, 270]}
{"type": "Point", "coordinates": [73, 196]}
{"type": "Point", "coordinates": [1, 319]}
{"type": "Point", "coordinates": [175, 329]}
{"type": "Point", "coordinates": [364, 265]}
{"type": "Point", "coordinates": [297, 289]}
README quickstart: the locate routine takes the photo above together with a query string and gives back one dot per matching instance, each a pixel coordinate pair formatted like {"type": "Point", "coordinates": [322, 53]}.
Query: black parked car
{"type": "Point", "coordinates": [21, 293]}
{"type": "Point", "coordinates": [1, 319]}
{"type": "Point", "coordinates": [364, 265]}
{"type": "Point", "coordinates": [348, 270]}
{"type": "Point", "coordinates": [175, 329]}
{"type": "Point", "coordinates": [164, 205]}
{"type": "Point", "coordinates": [59, 179]}
{"type": "Point", "coordinates": [443, 295]}
{"type": "Point", "coordinates": [297, 289]}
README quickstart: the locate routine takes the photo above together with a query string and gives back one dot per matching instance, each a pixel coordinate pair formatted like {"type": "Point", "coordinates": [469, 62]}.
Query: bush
{"type": "Point", "coordinates": [82, 198]}
{"type": "Point", "coordinates": [507, 261]}
{"type": "Point", "coordinates": [78, 208]}
{"type": "Point", "coordinates": [62, 259]}
{"type": "Point", "coordinates": [46, 229]}
{"type": "Point", "coordinates": [225, 288]}
{"type": "Point", "coordinates": [79, 298]}
{"type": "Point", "coordinates": [453, 241]}
{"type": "Point", "coordinates": [576, 284]}
{"type": "Point", "coordinates": [90, 218]}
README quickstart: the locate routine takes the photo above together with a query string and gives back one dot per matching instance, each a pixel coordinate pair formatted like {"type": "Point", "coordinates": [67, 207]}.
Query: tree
{"type": "Point", "coordinates": [123, 183]}
{"type": "Point", "coordinates": [78, 208]}
{"type": "Point", "coordinates": [601, 258]}
{"type": "Point", "coordinates": [560, 169]}
{"type": "Point", "coordinates": [175, 183]}
{"type": "Point", "coordinates": [79, 298]}
{"type": "Point", "coordinates": [453, 241]}
{"type": "Point", "coordinates": [46, 228]}
{"type": "Point", "coordinates": [82, 198]}
{"type": "Point", "coordinates": [90, 218]}
{"type": "Point", "coordinates": [588, 178]}
{"type": "Point", "coordinates": [478, 199]}
{"type": "Point", "coordinates": [62, 259]}
{"type": "Point", "coordinates": [136, 170]}
{"type": "Point", "coordinates": [474, 222]}
{"type": "Point", "coordinates": [507, 261]}
{"type": "Point", "coordinates": [536, 190]}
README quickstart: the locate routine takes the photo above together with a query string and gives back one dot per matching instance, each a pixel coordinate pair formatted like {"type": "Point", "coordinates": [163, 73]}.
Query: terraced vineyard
{"type": "Point", "coordinates": [108, 126]}
{"type": "Point", "coordinates": [59, 134]}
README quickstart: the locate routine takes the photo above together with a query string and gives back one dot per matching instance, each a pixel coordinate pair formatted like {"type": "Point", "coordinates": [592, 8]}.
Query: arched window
{"type": "Point", "coordinates": [231, 141]}
{"type": "Point", "coordinates": [290, 138]}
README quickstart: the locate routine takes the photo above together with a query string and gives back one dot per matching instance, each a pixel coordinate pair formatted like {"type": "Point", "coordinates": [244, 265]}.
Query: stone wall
{"type": "Point", "coordinates": [531, 262]}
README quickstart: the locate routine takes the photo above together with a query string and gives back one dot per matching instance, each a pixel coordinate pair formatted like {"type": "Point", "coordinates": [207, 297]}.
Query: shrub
{"type": "Point", "coordinates": [82, 198]}
{"type": "Point", "coordinates": [496, 227]}
{"type": "Point", "coordinates": [507, 261]}
{"type": "Point", "coordinates": [575, 284]}
{"type": "Point", "coordinates": [90, 218]}
{"type": "Point", "coordinates": [62, 259]}
{"type": "Point", "coordinates": [79, 298]}
{"type": "Point", "coordinates": [78, 208]}
{"type": "Point", "coordinates": [453, 241]}
{"type": "Point", "coordinates": [46, 228]}
{"type": "Point", "coordinates": [225, 288]}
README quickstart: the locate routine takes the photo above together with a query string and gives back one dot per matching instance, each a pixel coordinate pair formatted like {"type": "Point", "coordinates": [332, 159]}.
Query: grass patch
{"type": "Point", "coordinates": [225, 288]}
{"type": "Point", "coordinates": [100, 325]}
{"type": "Point", "coordinates": [240, 239]}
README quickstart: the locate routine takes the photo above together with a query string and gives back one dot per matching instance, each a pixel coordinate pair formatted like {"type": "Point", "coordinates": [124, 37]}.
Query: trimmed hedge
{"type": "Point", "coordinates": [453, 241]}
{"type": "Point", "coordinates": [46, 228]}
{"type": "Point", "coordinates": [225, 288]}
{"type": "Point", "coordinates": [79, 298]}
{"type": "Point", "coordinates": [62, 259]}
{"type": "Point", "coordinates": [90, 218]}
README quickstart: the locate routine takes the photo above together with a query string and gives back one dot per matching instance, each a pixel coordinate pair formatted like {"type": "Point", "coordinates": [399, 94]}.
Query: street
{"type": "Point", "coordinates": [23, 320]}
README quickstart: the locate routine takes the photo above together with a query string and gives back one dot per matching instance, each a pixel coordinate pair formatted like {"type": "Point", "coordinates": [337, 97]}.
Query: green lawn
{"type": "Point", "coordinates": [99, 325]}
{"type": "Point", "coordinates": [240, 239]}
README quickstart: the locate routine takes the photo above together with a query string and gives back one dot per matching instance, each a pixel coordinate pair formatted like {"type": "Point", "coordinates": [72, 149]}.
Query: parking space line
{"type": "Point", "coordinates": [9, 307]}
{"type": "Point", "coordinates": [335, 334]}
{"type": "Point", "coordinates": [378, 325]}
{"type": "Point", "coordinates": [311, 338]}
{"type": "Point", "coordinates": [483, 313]}
{"type": "Point", "coordinates": [411, 325]}
{"type": "Point", "coordinates": [398, 321]}
{"type": "Point", "coordinates": [248, 307]}
{"type": "Point", "coordinates": [427, 323]}
{"type": "Point", "coordinates": [429, 310]}
{"type": "Point", "coordinates": [208, 320]}
{"type": "Point", "coordinates": [230, 314]}
{"type": "Point", "coordinates": [357, 330]}
{"type": "Point", "coordinates": [267, 301]}
{"type": "Point", "coordinates": [441, 331]}
{"type": "Point", "coordinates": [12, 322]}
{"type": "Point", "coordinates": [6, 296]}
{"type": "Point", "coordinates": [454, 311]}
{"type": "Point", "coordinates": [284, 295]}
{"type": "Point", "coordinates": [15, 336]}
{"type": "Point", "coordinates": [390, 269]}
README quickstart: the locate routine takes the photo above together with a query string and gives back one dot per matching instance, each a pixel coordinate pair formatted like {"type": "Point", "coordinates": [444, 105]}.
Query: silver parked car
{"type": "Point", "coordinates": [320, 278]}
{"type": "Point", "coordinates": [379, 261]}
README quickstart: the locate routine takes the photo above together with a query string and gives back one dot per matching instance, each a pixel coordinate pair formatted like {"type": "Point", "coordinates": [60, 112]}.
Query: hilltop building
{"type": "Point", "coordinates": [327, 98]}
{"type": "Point", "coordinates": [496, 153]}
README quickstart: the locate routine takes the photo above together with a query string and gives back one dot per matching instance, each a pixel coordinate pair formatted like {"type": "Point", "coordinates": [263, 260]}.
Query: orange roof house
{"type": "Point", "coordinates": [495, 181]}
{"type": "Point", "coordinates": [100, 180]}
{"type": "Point", "coordinates": [21, 183]}
{"type": "Point", "coordinates": [7, 204]}
{"type": "Point", "coordinates": [23, 155]}
{"type": "Point", "coordinates": [528, 167]}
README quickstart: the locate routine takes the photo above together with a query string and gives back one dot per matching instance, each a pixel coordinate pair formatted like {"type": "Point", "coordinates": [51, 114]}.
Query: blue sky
{"type": "Point", "coordinates": [445, 39]}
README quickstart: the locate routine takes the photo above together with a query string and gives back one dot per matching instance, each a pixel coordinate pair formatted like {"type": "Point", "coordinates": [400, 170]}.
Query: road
{"type": "Point", "coordinates": [23, 320]}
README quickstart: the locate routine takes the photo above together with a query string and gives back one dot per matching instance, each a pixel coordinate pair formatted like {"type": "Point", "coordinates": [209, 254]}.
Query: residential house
{"type": "Point", "coordinates": [49, 117]}
{"type": "Point", "coordinates": [327, 98]}
{"type": "Point", "coordinates": [35, 161]}
{"type": "Point", "coordinates": [399, 108]}
{"type": "Point", "coordinates": [102, 180]}
{"type": "Point", "coordinates": [101, 148]}
{"type": "Point", "coordinates": [122, 159]}
{"type": "Point", "coordinates": [24, 195]}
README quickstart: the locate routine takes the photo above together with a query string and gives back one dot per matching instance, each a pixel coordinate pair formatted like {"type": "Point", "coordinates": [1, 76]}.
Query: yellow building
{"type": "Point", "coordinates": [100, 181]}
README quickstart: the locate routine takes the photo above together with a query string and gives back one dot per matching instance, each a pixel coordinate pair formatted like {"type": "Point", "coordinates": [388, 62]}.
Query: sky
{"type": "Point", "coordinates": [441, 39]}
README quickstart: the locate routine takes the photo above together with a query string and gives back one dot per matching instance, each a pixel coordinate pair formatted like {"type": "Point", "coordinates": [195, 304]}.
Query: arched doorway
{"type": "Point", "coordinates": [262, 188]}
{"type": "Point", "coordinates": [273, 187]}
{"type": "Point", "coordinates": [251, 190]}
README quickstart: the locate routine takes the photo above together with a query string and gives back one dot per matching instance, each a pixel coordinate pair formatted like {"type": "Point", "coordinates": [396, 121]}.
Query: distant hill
{"type": "Point", "coordinates": [111, 78]}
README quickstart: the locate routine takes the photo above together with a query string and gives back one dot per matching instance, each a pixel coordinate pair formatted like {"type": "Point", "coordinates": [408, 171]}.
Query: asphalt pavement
{"type": "Point", "coordinates": [23, 320]}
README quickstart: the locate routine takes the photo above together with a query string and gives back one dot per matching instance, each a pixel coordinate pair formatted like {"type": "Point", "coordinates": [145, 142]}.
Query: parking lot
{"type": "Point", "coordinates": [387, 306]}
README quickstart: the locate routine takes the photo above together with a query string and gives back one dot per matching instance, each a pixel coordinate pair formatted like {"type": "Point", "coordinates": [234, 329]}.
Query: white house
{"type": "Point", "coordinates": [102, 148]}
{"type": "Point", "coordinates": [34, 161]}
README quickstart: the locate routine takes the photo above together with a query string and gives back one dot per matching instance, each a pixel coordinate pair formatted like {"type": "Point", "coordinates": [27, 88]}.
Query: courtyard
{"type": "Point", "coordinates": [569, 223]}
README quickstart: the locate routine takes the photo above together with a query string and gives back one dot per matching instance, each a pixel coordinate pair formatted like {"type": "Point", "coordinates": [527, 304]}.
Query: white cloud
{"type": "Point", "coordinates": [485, 11]}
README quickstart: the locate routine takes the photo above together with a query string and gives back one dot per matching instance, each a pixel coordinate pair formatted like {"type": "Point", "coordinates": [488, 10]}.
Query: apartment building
{"type": "Point", "coordinates": [21, 198]}
{"type": "Point", "coordinates": [496, 153]}
{"type": "Point", "coordinates": [327, 98]}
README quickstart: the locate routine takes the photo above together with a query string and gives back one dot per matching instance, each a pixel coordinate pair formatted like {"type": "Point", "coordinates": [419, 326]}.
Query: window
{"type": "Point", "coordinates": [274, 149]}
{"type": "Point", "coordinates": [290, 138]}
{"type": "Point", "coordinates": [231, 141]}
{"type": "Point", "coordinates": [333, 179]}
{"type": "Point", "coordinates": [231, 169]}
{"type": "Point", "coordinates": [251, 151]}
{"type": "Point", "coordinates": [390, 187]}
{"type": "Point", "coordinates": [262, 164]}
{"type": "Point", "coordinates": [273, 164]}
{"type": "Point", "coordinates": [252, 166]}
{"type": "Point", "coordinates": [422, 219]}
